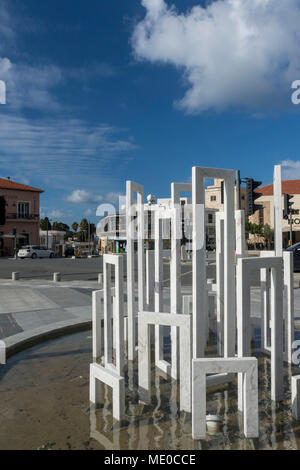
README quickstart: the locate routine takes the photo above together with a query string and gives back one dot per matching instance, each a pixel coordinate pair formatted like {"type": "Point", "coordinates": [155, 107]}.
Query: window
{"type": "Point", "coordinates": [210, 218]}
{"type": "Point", "coordinates": [23, 210]}
{"type": "Point", "coordinates": [213, 198]}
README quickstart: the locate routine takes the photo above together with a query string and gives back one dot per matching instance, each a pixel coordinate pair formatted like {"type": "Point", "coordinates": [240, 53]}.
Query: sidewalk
{"type": "Point", "coordinates": [33, 311]}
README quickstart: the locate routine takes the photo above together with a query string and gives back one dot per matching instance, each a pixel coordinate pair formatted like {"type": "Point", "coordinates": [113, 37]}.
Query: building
{"type": "Point", "coordinates": [22, 213]}
{"type": "Point", "coordinates": [213, 196]}
{"type": "Point", "coordinates": [265, 215]}
{"type": "Point", "coordinates": [53, 239]}
{"type": "Point", "coordinates": [111, 230]}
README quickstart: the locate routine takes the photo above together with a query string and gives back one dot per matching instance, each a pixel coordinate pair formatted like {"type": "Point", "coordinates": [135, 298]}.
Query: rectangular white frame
{"type": "Point", "coordinates": [183, 322]}
{"type": "Point", "coordinates": [245, 366]}
{"type": "Point", "coordinates": [118, 317]}
{"type": "Point", "coordinates": [131, 189]}
{"type": "Point", "coordinates": [199, 259]}
{"type": "Point", "coordinates": [244, 267]}
{"type": "Point", "coordinates": [113, 380]}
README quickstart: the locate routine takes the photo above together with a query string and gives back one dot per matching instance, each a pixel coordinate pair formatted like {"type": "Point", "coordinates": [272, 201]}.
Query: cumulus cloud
{"type": "Point", "coordinates": [290, 169]}
{"type": "Point", "coordinates": [80, 196]}
{"type": "Point", "coordinates": [232, 53]}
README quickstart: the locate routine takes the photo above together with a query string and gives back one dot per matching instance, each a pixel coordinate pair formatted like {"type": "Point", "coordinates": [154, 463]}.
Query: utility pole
{"type": "Point", "coordinates": [291, 229]}
{"type": "Point", "coordinates": [288, 214]}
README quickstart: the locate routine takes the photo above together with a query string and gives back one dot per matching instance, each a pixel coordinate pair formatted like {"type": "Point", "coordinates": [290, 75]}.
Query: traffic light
{"type": "Point", "coordinates": [2, 210]}
{"type": "Point", "coordinates": [252, 195]}
{"type": "Point", "coordinates": [287, 206]}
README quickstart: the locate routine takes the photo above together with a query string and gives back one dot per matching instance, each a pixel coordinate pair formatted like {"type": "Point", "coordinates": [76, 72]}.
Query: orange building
{"type": "Point", "coordinates": [22, 216]}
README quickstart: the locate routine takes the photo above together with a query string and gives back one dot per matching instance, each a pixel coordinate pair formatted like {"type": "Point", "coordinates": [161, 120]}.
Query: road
{"type": "Point", "coordinates": [85, 269]}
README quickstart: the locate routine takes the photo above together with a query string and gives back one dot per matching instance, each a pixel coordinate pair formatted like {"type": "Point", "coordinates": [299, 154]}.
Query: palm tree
{"type": "Point", "coordinates": [75, 226]}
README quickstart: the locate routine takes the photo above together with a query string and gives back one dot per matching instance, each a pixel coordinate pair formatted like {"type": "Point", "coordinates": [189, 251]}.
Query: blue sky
{"type": "Point", "coordinates": [103, 91]}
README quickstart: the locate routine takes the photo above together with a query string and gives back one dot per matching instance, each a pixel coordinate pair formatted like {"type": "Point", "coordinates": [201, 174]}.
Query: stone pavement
{"type": "Point", "coordinates": [35, 309]}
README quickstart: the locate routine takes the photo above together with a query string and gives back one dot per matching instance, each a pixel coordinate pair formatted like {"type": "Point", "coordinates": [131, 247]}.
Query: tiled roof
{"type": "Point", "coordinates": [288, 187]}
{"type": "Point", "coordinates": [8, 184]}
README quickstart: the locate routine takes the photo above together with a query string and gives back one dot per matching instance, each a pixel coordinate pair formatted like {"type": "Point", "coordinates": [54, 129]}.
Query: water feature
{"type": "Point", "coordinates": [45, 405]}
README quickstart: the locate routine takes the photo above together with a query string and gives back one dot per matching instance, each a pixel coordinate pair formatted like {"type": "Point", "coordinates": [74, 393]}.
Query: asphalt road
{"type": "Point", "coordinates": [86, 269]}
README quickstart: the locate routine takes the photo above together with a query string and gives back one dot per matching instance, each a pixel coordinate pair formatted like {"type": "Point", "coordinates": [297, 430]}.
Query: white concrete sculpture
{"type": "Point", "coordinates": [112, 374]}
{"type": "Point", "coordinates": [245, 366]}
{"type": "Point", "coordinates": [187, 315]}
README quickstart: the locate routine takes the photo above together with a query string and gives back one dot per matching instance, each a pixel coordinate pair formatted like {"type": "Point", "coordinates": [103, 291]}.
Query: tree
{"type": "Point", "coordinates": [60, 226]}
{"type": "Point", "coordinates": [45, 224]}
{"type": "Point", "coordinates": [84, 225]}
{"type": "Point", "coordinates": [268, 234]}
{"type": "Point", "coordinates": [75, 226]}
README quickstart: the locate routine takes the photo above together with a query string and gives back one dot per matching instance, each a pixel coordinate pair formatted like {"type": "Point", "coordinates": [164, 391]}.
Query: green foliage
{"type": "Point", "coordinates": [43, 224]}
{"type": "Point", "coordinates": [75, 226]}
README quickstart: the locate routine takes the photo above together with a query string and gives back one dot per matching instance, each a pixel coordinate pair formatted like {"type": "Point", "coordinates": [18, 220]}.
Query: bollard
{"type": "Point", "coordinates": [15, 276]}
{"type": "Point", "coordinates": [100, 279]}
{"type": "Point", "coordinates": [56, 277]}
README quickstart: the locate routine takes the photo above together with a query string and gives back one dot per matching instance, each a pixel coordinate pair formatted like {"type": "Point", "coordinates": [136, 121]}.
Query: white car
{"type": "Point", "coordinates": [34, 251]}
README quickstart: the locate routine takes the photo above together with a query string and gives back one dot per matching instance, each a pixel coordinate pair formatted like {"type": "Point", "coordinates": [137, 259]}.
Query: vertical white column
{"type": "Point", "coordinates": [240, 240]}
{"type": "Point", "coordinates": [278, 210]}
{"type": "Point", "coordinates": [107, 313]}
{"type": "Point", "coordinates": [199, 264]}
{"type": "Point", "coordinates": [265, 309]}
{"type": "Point", "coordinates": [130, 270]}
{"type": "Point", "coordinates": [243, 321]}
{"type": "Point", "coordinates": [150, 280]}
{"type": "Point", "coordinates": [288, 264]}
{"type": "Point", "coordinates": [229, 268]}
{"type": "Point", "coordinates": [96, 323]}
{"type": "Point", "coordinates": [158, 295]}
{"type": "Point", "coordinates": [144, 354]}
{"type": "Point", "coordinates": [141, 252]}
{"type": "Point", "coordinates": [220, 279]}
{"type": "Point", "coordinates": [185, 366]}
{"type": "Point", "coordinates": [296, 397]}
{"type": "Point", "coordinates": [175, 276]}
{"type": "Point", "coordinates": [119, 318]}
{"type": "Point", "coordinates": [276, 335]}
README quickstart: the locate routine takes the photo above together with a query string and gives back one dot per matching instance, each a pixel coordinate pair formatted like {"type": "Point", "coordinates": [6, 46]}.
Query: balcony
{"type": "Point", "coordinates": [23, 217]}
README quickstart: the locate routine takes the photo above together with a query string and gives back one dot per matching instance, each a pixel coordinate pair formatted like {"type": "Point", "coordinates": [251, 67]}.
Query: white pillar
{"type": "Point", "coordinates": [278, 210]}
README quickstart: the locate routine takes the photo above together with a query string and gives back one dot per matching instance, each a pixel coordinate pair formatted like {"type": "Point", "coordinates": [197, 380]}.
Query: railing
{"type": "Point", "coordinates": [23, 217]}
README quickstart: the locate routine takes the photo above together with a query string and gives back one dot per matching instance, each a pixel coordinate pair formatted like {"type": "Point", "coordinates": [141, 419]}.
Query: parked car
{"type": "Point", "coordinates": [296, 254]}
{"type": "Point", "coordinates": [35, 251]}
{"type": "Point", "coordinates": [69, 251]}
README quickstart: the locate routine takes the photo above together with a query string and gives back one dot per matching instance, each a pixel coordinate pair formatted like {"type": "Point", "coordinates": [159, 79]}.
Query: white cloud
{"type": "Point", "coordinates": [232, 53]}
{"type": "Point", "coordinates": [80, 196]}
{"type": "Point", "coordinates": [57, 214]}
{"type": "Point", "coordinates": [290, 169]}
{"type": "Point", "coordinates": [89, 212]}
{"type": "Point", "coordinates": [59, 147]}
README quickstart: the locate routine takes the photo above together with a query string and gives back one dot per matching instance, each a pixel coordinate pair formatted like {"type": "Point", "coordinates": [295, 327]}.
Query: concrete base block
{"type": "Point", "coordinates": [296, 397]}
{"type": "Point", "coordinates": [116, 382]}
{"type": "Point", "coordinates": [56, 277]}
{"type": "Point", "coordinates": [15, 276]}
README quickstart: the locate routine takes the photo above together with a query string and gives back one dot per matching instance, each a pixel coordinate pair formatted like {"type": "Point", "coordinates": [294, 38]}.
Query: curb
{"type": "Point", "coordinates": [21, 341]}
